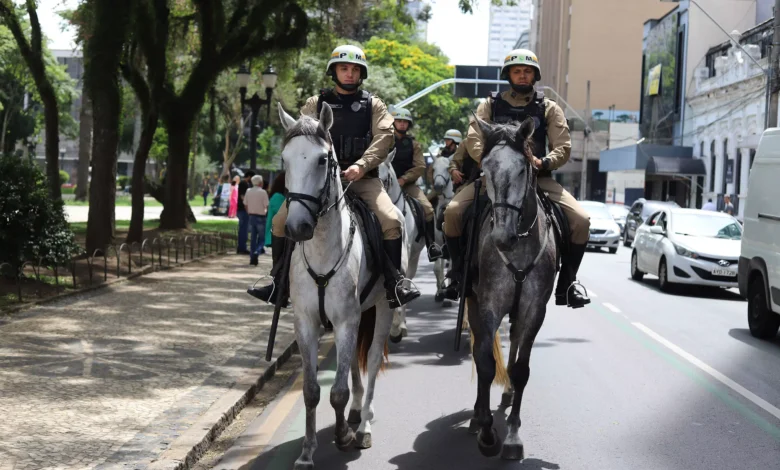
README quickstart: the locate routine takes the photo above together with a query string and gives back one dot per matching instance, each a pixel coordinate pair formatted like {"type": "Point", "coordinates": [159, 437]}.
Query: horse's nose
{"type": "Point", "coordinates": [438, 187]}
{"type": "Point", "coordinates": [504, 239]}
{"type": "Point", "coordinates": [298, 228]}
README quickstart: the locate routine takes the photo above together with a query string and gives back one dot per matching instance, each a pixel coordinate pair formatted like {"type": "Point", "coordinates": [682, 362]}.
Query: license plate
{"type": "Point", "coordinates": [724, 272]}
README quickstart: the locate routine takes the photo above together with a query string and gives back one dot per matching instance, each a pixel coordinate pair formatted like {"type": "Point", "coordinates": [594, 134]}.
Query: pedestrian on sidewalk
{"type": "Point", "coordinates": [243, 217]}
{"type": "Point", "coordinates": [709, 206]}
{"type": "Point", "coordinates": [205, 192]}
{"type": "Point", "coordinates": [728, 207]}
{"type": "Point", "coordinates": [256, 202]}
{"type": "Point", "coordinates": [234, 199]}
{"type": "Point", "coordinates": [278, 192]}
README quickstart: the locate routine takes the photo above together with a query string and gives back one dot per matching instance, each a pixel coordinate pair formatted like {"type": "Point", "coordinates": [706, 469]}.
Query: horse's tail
{"type": "Point", "coordinates": [502, 376]}
{"type": "Point", "coordinates": [366, 337]}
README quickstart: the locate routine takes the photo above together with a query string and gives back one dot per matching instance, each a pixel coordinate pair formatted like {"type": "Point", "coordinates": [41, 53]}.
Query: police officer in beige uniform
{"type": "Point", "coordinates": [521, 69]}
{"type": "Point", "coordinates": [362, 135]}
{"type": "Point", "coordinates": [409, 165]}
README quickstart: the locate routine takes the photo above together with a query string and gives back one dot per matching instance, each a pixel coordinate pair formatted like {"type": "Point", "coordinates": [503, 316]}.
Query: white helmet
{"type": "Point", "coordinates": [454, 135]}
{"type": "Point", "coordinates": [402, 114]}
{"type": "Point", "coordinates": [521, 57]}
{"type": "Point", "coordinates": [348, 55]}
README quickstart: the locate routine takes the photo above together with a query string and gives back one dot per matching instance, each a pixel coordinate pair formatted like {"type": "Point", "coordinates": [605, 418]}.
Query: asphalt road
{"type": "Point", "coordinates": [637, 380]}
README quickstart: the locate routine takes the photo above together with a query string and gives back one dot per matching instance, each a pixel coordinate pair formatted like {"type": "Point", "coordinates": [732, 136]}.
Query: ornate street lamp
{"type": "Point", "coordinates": [254, 103]}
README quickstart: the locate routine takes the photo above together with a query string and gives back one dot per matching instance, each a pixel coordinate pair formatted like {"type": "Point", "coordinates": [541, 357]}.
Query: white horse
{"type": "Point", "coordinates": [442, 184]}
{"type": "Point", "coordinates": [413, 247]}
{"type": "Point", "coordinates": [328, 245]}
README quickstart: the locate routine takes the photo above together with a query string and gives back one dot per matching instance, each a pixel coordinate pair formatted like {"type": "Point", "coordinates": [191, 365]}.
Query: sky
{"type": "Point", "coordinates": [463, 38]}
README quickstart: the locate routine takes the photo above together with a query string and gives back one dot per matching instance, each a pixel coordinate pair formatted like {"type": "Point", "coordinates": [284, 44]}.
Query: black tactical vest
{"type": "Point", "coordinates": [404, 155]}
{"type": "Point", "coordinates": [503, 112]}
{"type": "Point", "coordinates": [447, 153]}
{"type": "Point", "coordinates": [351, 130]}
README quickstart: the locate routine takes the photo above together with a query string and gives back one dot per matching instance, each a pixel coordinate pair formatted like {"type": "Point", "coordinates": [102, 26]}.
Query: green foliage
{"type": "Point", "coordinates": [268, 147]}
{"type": "Point", "coordinates": [122, 180]}
{"type": "Point", "coordinates": [64, 177]}
{"type": "Point", "coordinates": [32, 225]}
{"type": "Point", "coordinates": [159, 151]}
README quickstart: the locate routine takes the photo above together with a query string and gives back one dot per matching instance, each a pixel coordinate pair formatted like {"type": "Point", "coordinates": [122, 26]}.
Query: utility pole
{"type": "Point", "coordinates": [586, 132]}
{"type": "Point", "coordinates": [773, 68]}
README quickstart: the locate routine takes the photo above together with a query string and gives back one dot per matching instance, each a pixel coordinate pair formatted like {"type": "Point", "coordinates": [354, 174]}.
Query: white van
{"type": "Point", "coordinates": [759, 262]}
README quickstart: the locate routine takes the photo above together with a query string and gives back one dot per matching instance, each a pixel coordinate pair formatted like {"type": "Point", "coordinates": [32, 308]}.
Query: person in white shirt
{"type": "Point", "coordinates": [256, 204]}
{"type": "Point", "coordinates": [709, 206]}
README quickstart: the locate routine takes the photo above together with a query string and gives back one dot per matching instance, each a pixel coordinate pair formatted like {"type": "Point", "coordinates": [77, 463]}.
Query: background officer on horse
{"type": "Point", "coordinates": [409, 165]}
{"type": "Point", "coordinates": [452, 139]}
{"type": "Point", "coordinates": [362, 136]}
{"type": "Point", "coordinates": [522, 101]}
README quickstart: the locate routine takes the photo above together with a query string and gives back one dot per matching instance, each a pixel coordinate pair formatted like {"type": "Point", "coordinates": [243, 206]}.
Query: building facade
{"type": "Point", "coordinates": [507, 24]}
{"type": "Point", "coordinates": [415, 8]}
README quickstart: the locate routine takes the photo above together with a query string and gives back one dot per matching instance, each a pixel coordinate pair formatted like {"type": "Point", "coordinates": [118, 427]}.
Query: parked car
{"type": "Point", "coordinates": [638, 214]}
{"type": "Point", "coordinates": [688, 246]}
{"type": "Point", "coordinates": [619, 213]}
{"type": "Point", "coordinates": [759, 262]}
{"type": "Point", "coordinates": [604, 231]}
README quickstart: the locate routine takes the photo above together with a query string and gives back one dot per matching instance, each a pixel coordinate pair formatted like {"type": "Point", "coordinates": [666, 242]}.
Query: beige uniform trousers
{"type": "Point", "coordinates": [371, 191]}
{"type": "Point", "coordinates": [414, 191]}
{"type": "Point", "coordinates": [579, 222]}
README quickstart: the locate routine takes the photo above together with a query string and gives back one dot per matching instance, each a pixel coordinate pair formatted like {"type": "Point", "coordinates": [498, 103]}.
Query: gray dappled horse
{"type": "Point", "coordinates": [515, 254]}
{"type": "Point", "coordinates": [442, 184]}
{"type": "Point", "coordinates": [328, 244]}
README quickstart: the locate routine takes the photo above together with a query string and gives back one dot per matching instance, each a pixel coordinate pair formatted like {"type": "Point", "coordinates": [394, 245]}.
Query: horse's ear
{"type": "Point", "coordinates": [484, 126]}
{"type": "Point", "coordinates": [286, 120]}
{"type": "Point", "coordinates": [526, 130]}
{"type": "Point", "coordinates": [390, 157]}
{"type": "Point", "coordinates": [326, 117]}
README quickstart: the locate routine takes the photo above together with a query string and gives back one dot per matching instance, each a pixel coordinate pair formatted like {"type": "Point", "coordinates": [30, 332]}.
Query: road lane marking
{"type": "Point", "coordinates": [612, 307]}
{"type": "Point", "coordinates": [592, 294]}
{"type": "Point", "coordinates": [752, 397]}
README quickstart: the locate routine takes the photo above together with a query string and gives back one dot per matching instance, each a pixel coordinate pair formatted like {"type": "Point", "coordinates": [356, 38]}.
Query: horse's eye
{"type": "Point", "coordinates": [322, 161]}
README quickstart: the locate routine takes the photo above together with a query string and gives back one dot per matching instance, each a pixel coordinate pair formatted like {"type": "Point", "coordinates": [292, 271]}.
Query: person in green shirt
{"type": "Point", "coordinates": [278, 191]}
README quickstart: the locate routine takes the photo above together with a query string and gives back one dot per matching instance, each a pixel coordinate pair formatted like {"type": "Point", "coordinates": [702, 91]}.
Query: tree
{"type": "Point", "coordinates": [33, 52]}
{"type": "Point", "coordinates": [226, 34]}
{"type": "Point", "coordinates": [598, 115]}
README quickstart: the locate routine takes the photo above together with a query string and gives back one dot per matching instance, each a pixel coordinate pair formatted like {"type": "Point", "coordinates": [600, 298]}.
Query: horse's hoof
{"type": "Point", "coordinates": [354, 417]}
{"type": "Point", "coordinates": [300, 465]}
{"type": "Point", "coordinates": [363, 441]}
{"type": "Point", "coordinates": [489, 449]}
{"type": "Point", "coordinates": [439, 297]}
{"type": "Point", "coordinates": [345, 442]}
{"type": "Point", "coordinates": [404, 332]}
{"type": "Point", "coordinates": [513, 452]}
{"type": "Point", "coordinates": [396, 339]}
{"type": "Point", "coordinates": [506, 399]}
{"type": "Point", "coordinates": [473, 426]}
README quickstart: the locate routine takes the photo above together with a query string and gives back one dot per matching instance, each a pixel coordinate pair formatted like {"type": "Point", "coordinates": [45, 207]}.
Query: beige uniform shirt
{"type": "Point", "coordinates": [419, 165]}
{"type": "Point", "coordinates": [557, 131]}
{"type": "Point", "coordinates": [381, 130]}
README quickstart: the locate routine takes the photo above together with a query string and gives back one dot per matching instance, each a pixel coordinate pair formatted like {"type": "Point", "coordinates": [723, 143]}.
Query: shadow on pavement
{"type": "Point", "coordinates": [327, 455]}
{"type": "Point", "coordinates": [683, 290]}
{"type": "Point", "coordinates": [768, 346]}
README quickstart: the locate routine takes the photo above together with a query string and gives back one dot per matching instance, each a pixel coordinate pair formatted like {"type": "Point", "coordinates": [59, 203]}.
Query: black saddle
{"type": "Point", "coordinates": [371, 231]}
{"type": "Point", "coordinates": [419, 216]}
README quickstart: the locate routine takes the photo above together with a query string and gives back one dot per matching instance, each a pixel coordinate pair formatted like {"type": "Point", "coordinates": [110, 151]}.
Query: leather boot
{"type": "Point", "coordinates": [567, 292]}
{"type": "Point", "coordinates": [253, 260]}
{"type": "Point", "coordinates": [456, 270]}
{"type": "Point", "coordinates": [434, 250]}
{"type": "Point", "coordinates": [397, 293]}
{"type": "Point", "coordinates": [268, 293]}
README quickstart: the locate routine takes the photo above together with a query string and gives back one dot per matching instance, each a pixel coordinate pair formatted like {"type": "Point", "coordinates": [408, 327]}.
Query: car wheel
{"type": "Point", "coordinates": [663, 277]}
{"type": "Point", "coordinates": [636, 274]}
{"type": "Point", "coordinates": [625, 238]}
{"type": "Point", "coordinates": [613, 250]}
{"type": "Point", "coordinates": [763, 322]}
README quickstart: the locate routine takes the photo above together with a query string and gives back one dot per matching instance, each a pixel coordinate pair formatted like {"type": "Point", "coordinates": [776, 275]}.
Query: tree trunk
{"type": "Point", "coordinates": [52, 121]}
{"type": "Point", "coordinates": [85, 148]}
{"type": "Point", "coordinates": [157, 191]}
{"type": "Point", "coordinates": [136, 232]}
{"type": "Point", "coordinates": [4, 130]}
{"type": "Point", "coordinates": [174, 214]}
{"type": "Point", "coordinates": [193, 181]}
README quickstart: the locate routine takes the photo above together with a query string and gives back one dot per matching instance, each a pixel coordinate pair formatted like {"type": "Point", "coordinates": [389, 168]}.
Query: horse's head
{"type": "Point", "coordinates": [507, 159]}
{"type": "Point", "coordinates": [387, 173]}
{"type": "Point", "coordinates": [311, 170]}
{"type": "Point", "coordinates": [442, 182]}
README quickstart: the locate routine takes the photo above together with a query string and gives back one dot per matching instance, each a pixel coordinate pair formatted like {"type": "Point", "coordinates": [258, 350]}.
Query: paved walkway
{"type": "Point", "coordinates": [109, 379]}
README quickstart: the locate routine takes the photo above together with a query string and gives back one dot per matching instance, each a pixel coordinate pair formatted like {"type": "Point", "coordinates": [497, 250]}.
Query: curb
{"type": "Point", "coordinates": [186, 450]}
{"type": "Point", "coordinates": [83, 290]}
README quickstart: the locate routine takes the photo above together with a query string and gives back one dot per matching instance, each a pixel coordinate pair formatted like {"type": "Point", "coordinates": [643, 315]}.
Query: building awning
{"type": "Point", "coordinates": [675, 166]}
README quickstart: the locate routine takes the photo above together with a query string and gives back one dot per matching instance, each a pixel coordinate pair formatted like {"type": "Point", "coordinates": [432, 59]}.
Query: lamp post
{"type": "Point", "coordinates": [62, 158]}
{"type": "Point", "coordinates": [254, 103]}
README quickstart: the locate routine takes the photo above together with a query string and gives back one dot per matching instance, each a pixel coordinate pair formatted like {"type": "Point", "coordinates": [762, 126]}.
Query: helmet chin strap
{"type": "Point", "coordinates": [402, 132]}
{"type": "Point", "coordinates": [523, 89]}
{"type": "Point", "coordinates": [346, 87]}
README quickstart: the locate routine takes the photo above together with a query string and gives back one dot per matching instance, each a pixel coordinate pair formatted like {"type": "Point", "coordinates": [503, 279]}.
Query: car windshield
{"type": "Point", "coordinates": [597, 212]}
{"type": "Point", "coordinates": [619, 212]}
{"type": "Point", "coordinates": [706, 225]}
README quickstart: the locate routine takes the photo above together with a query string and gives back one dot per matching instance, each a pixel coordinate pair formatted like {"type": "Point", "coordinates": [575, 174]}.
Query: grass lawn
{"type": "Point", "coordinates": [120, 201]}
{"type": "Point", "coordinates": [206, 226]}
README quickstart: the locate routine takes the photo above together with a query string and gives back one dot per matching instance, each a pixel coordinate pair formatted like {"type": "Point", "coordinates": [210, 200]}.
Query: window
{"type": "Point", "coordinates": [653, 220]}
{"type": "Point", "coordinates": [701, 149]}
{"type": "Point", "coordinates": [712, 166]}
{"type": "Point", "coordinates": [725, 164]}
{"type": "Point", "coordinates": [678, 81]}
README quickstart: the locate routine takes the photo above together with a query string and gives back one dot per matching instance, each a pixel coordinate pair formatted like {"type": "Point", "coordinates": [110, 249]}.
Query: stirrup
{"type": "Point", "coordinates": [586, 297]}
{"type": "Point", "coordinates": [441, 251]}
{"type": "Point", "coordinates": [254, 286]}
{"type": "Point", "coordinates": [397, 299]}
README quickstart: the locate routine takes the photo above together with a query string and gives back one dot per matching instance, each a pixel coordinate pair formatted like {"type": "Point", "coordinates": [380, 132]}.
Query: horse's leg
{"type": "Point", "coordinates": [509, 389]}
{"type": "Point", "coordinates": [346, 333]}
{"type": "Point", "coordinates": [376, 356]}
{"type": "Point", "coordinates": [524, 336]}
{"type": "Point", "coordinates": [484, 332]}
{"type": "Point", "coordinates": [438, 269]}
{"type": "Point", "coordinates": [307, 336]}
{"type": "Point", "coordinates": [357, 393]}
{"type": "Point", "coordinates": [398, 326]}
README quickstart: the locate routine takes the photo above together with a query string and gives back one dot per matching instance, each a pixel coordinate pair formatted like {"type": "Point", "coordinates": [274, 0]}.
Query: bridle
{"type": "Point", "coordinates": [519, 231]}
{"type": "Point", "coordinates": [386, 184]}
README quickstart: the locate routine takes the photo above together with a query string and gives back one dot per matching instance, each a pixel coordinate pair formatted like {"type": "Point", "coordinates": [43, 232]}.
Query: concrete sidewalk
{"type": "Point", "coordinates": [119, 377]}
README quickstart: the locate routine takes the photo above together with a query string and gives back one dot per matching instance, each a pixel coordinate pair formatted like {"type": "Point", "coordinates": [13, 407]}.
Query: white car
{"type": "Point", "coordinates": [688, 246]}
{"type": "Point", "coordinates": [604, 231]}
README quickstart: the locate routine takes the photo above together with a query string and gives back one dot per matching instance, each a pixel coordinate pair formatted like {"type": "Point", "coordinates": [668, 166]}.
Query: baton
{"type": "Point", "coordinates": [280, 298]}
{"type": "Point", "coordinates": [467, 263]}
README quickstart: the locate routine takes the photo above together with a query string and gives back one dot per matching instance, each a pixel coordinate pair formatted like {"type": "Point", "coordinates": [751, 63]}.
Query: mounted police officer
{"type": "Point", "coordinates": [521, 69]}
{"type": "Point", "coordinates": [452, 138]}
{"type": "Point", "coordinates": [409, 165]}
{"type": "Point", "coordinates": [362, 135]}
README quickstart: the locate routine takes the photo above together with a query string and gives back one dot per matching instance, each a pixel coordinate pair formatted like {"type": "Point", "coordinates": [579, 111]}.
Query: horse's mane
{"type": "Point", "coordinates": [308, 127]}
{"type": "Point", "coordinates": [507, 134]}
